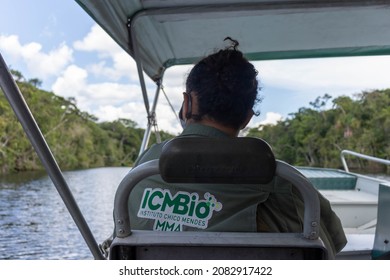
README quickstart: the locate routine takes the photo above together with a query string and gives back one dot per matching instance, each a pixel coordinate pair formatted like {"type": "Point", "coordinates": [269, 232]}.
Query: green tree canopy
{"type": "Point", "coordinates": [314, 136]}
{"type": "Point", "coordinates": [75, 137]}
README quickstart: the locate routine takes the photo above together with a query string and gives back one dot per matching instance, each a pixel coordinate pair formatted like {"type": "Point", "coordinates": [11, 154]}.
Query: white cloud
{"type": "Point", "coordinates": [271, 118]}
{"type": "Point", "coordinates": [106, 100]}
{"type": "Point", "coordinates": [176, 76]}
{"type": "Point", "coordinates": [167, 120]}
{"type": "Point", "coordinates": [71, 83]}
{"type": "Point", "coordinates": [105, 97]}
{"type": "Point", "coordinates": [131, 111]}
{"type": "Point", "coordinates": [97, 41]}
{"type": "Point", "coordinates": [134, 109]}
{"type": "Point", "coordinates": [40, 64]}
{"type": "Point", "coordinates": [109, 99]}
{"type": "Point", "coordinates": [331, 75]}
{"type": "Point", "coordinates": [136, 112]}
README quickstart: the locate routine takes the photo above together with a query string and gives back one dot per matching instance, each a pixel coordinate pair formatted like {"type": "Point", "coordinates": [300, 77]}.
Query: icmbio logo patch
{"type": "Point", "coordinates": [171, 212]}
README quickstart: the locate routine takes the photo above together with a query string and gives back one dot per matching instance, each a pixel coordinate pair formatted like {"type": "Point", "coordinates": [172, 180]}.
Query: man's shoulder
{"type": "Point", "coordinates": [152, 153]}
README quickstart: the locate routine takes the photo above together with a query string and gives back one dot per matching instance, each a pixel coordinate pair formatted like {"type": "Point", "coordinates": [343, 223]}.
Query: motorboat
{"type": "Point", "coordinates": [161, 34]}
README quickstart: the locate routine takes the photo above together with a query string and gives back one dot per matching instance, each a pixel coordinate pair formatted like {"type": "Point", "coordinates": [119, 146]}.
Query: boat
{"type": "Point", "coordinates": [361, 204]}
{"type": "Point", "coordinates": [161, 34]}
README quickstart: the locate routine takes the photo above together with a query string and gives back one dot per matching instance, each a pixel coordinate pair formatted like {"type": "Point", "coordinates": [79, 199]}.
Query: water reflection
{"type": "Point", "coordinates": [35, 224]}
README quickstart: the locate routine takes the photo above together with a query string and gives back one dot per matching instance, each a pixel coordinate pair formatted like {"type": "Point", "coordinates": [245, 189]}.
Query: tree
{"type": "Point", "coordinates": [35, 82]}
{"type": "Point", "coordinates": [75, 137]}
{"type": "Point", "coordinates": [17, 75]}
{"type": "Point", "coordinates": [315, 136]}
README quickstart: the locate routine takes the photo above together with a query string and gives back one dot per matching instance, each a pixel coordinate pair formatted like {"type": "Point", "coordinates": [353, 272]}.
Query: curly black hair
{"type": "Point", "coordinates": [225, 84]}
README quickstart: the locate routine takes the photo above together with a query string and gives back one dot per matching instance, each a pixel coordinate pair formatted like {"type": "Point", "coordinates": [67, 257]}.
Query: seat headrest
{"type": "Point", "coordinates": [241, 160]}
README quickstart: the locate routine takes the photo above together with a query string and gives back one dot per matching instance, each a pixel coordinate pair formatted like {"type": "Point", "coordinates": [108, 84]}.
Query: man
{"type": "Point", "coordinates": [221, 91]}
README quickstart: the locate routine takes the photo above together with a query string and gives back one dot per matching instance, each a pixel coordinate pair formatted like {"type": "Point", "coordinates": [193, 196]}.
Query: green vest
{"type": "Point", "coordinates": [274, 207]}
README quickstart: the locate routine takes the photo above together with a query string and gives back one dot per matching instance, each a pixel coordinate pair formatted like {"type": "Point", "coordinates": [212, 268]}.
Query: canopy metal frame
{"type": "Point", "coordinates": [173, 32]}
{"type": "Point", "coordinates": [150, 112]}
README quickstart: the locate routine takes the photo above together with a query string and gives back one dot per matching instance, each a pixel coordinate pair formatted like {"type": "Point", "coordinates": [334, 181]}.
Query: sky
{"type": "Point", "coordinates": [58, 43]}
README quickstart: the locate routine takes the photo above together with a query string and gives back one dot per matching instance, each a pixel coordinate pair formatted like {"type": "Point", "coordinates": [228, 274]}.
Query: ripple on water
{"type": "Point", "coordinates": [35, 224]}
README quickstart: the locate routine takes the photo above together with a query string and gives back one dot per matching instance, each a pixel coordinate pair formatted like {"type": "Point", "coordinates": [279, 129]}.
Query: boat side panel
{"type": "Point", "coordinates": [382, 235]}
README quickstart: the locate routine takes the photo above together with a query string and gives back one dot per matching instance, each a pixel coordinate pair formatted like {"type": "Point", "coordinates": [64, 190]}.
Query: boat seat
{"type": "Point", "coordinates": [329, 179]}
{"type": "Point", "coordinates": [206, 160]}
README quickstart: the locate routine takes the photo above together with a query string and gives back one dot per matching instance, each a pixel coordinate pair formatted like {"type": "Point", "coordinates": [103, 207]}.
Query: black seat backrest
{"type": "Point", "coordinates": [216, 160]}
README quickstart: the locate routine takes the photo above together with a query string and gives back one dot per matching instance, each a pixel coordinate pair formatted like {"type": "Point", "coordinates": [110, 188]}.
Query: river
{"type": "Point", "coordinates": [35, 224]}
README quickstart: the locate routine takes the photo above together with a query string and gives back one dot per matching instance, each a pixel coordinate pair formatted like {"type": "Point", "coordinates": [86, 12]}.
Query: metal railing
{"type": "Point", "coordinates": [363, 156]}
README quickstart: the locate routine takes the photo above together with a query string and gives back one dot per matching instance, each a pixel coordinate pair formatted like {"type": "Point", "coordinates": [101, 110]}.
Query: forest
{"type": "Point", "coordinates": [313, 136]}
{"type": "Point", "coordinates": [76, 139]}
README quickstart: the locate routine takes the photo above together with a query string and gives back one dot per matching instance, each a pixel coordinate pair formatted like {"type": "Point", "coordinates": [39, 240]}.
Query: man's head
{"type": "Point", "coordinates": [222, 88]}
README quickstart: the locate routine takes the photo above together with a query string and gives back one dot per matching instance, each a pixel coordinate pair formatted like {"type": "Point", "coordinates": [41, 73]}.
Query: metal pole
{"type": "Point", "coordinates": [151, 114]}
{"type": "Point", "coordinates": [138, 62]}
{"type": "Point", "coordinates": [151, 121]}
{"type": "Point", "coordinates": [363, 156]}
{"type": "Point", "coordinates": [22, 112]}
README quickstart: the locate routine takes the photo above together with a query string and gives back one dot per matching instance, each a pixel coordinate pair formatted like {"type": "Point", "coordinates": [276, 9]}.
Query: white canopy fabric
{"type": "Point", "coordinates": [159, 34]}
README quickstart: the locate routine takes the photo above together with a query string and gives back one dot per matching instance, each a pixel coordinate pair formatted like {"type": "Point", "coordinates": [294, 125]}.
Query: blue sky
{"type": "Point", "coordinates": [58, 43]}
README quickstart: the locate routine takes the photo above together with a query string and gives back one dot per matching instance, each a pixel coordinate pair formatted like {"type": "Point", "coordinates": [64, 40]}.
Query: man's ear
{"type": "Point", "coordinates": [248, 119]}
{"type": "Point", "coordinates": [185, 108]}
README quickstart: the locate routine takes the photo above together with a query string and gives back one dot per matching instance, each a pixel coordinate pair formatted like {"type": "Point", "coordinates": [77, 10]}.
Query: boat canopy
{"type": "Point", "coordinates": [159, 34]}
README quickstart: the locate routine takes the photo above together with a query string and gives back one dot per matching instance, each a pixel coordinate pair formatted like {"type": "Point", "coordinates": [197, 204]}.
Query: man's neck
{"type": "Point", "coordinates": [225, 129]}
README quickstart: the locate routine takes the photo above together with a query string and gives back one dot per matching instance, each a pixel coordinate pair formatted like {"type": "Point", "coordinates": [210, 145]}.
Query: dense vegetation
{"type": "Point", "coordinates": [314, 136]}
{"type": "Point", "coordinates": [76, 139]}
